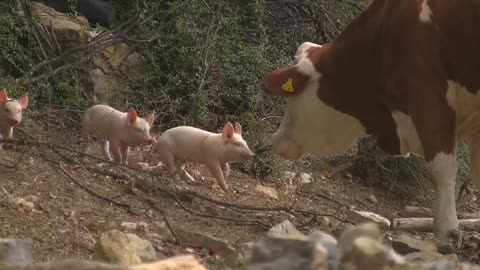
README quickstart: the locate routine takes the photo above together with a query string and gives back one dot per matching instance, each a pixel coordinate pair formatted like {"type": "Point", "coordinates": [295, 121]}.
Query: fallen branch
{"type": "Point", "coordinates": [420, 212]}
{"type": "Point", "coordinates": [426, 224]}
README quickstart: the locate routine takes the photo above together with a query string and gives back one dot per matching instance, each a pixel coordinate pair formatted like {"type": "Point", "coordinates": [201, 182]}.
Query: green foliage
{"type": "Point", "coordinates": [17, 52]}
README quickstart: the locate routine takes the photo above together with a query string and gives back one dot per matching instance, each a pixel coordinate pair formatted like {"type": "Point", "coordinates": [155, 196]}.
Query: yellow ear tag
{"type": "Point", "coordinates": [288, 86]}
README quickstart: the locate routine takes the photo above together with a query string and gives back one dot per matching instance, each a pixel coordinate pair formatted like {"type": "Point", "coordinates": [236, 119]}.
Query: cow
{"type": "Point", "coordinates": [406, 72]}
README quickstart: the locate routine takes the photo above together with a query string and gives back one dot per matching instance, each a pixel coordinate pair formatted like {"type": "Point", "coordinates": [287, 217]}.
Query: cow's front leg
{"type": "Point", "coordinates": [434, 120]}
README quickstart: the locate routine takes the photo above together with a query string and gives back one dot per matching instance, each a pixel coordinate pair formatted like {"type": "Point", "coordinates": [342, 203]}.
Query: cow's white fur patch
{"type": "Point", "coordinates": [301, 52]}
{"type": "Point", "coordinates": [425, 15]}
{"type": "Point", "coordinates": [311, 126]}
{"type": "Point", "coordinates": [407, 134]}
{"type": "Point", "coordinates": [443, 169]}
{"type": "Point", "coordinates": [303, 63]}
{"type": "Point", "coordinates": [467, 108]}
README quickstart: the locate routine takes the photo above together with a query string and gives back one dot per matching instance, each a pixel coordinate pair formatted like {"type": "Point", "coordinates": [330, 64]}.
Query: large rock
{"type": "Point", "coordinates": [69, 30]}
{"type": "Point", "coordinates": [405, 244]}
{"type": "Point", "coordinates": [281, 253]}
{"type": "Point", "coordinates": [124, 249]}
{"type": "Point", "coordinates": [16, 251]}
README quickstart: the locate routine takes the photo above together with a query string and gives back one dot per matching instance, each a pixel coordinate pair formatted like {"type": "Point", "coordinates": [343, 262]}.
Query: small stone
{"type": "Point", "coordinates": [28, 207]}
{"type": "Point", "coordinates": [325, 221]}
{"type": "Point", "coordinates": [305, 178]}
{"type": "Point", "coordinates": [289, 176]}
{"type": "Point", "coordinates": [270, 192]}
{"type": "Point", "coordinates": [129, 225]}
{"type": "Point", "coordinates": [372, 198]}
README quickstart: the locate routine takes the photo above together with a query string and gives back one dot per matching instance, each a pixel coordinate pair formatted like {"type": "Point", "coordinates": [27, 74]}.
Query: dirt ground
{"type": "Point", "coordinates": [67, 217]}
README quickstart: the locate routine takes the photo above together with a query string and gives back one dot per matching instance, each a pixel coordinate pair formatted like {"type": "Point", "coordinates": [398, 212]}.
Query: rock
{"type": "Point", "coordinates": [184, 262]}
{"type": "Point", "coordinates": [372, 198]}
{"type": "Point", "coordinates": [28, 207]}
{"type": "Point", "coordinates": [286, 230]}
{"type": "Point", "coordinates": [270, 192]}
{"type": "Point", "coordinates": [359, 217]}
{"type": "Point", "coordinates": [241, 255]}
{"type": "Point", "coordinates": [116, 54]}
{"type": "Point", "coordinates": [69, 31]}
{"type": "Point", "coordinates": [129, 225]}
{"type": "Point", "coordinates": [142, 227]}
{"type": "Point", "coordinates": [347, 238]}
{"type": "Point", "coordinates": [280, 254]}
{"type": "Point", "coordinates": [123, 249]}
{"type": "Point", "coordinates": [101, 84]}
{"type": "Point", "coordinates": [325, 221]}
{"type": "Point", "coordinates": [196, 239]}
{"type": "Point", "coordinates": [405, 244]}
{"type": "Point", "coordinates": [16, 251]}
{"type": "Point", "coordinates": [444, 247]}
{"type": "Point", "coordinates": [289, 176]}
{"type": "Point", "coordinates": [428, 257]}
{"type": "Point", "coordinates": [305, 178]}
{"type": "Point", "coordinates": [330, 243]}
{"type": "Point", "coordinates": [369, 253]}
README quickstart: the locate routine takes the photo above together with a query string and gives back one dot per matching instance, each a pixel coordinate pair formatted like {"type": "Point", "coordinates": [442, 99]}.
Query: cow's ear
{"type": "Point", "coordinates": [285, 82]}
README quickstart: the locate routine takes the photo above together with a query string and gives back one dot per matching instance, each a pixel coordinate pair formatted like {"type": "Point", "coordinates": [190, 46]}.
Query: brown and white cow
{"type": "Point", "coordinates": [407, 72]}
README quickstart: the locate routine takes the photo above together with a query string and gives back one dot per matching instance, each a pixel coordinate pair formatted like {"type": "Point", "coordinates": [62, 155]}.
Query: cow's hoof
{"type": "Point", "coordinates": [457, 238]}
{"type": "Point", "coordinates": [454, 242]}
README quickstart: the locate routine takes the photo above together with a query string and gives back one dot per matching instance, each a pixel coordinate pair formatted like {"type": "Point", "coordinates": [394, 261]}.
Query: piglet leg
{"type": "Point", "coordinates": [124, 149]}
{"type": "Point", "coordinates": [216, 171]}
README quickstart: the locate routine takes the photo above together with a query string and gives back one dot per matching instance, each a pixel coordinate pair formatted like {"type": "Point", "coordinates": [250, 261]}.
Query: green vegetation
{"type": "Point", "coordinates": [203, 69]}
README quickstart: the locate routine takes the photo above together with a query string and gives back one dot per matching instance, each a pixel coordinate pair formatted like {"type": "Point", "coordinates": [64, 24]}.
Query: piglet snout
{"type": "Point", "coordinates": [14, 122]}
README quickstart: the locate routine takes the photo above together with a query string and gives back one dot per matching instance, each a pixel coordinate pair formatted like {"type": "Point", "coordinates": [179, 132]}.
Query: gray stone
{"type": "Point", "coordinates": [291, 254]}
{"type": "Point", "coordinates": [286, 230]}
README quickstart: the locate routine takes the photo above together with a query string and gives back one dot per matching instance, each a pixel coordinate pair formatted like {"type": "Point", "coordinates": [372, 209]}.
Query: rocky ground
{"type": "Point", "coordinates": [65, 203]}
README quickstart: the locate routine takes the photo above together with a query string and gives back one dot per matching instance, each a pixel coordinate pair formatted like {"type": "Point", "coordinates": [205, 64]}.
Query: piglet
{"type": "Point", "coordinates": [10, 113]}
{"type": "Point", "coordinates": [117, 130]}
{"type": "Point", "coordinates": [189, 144]}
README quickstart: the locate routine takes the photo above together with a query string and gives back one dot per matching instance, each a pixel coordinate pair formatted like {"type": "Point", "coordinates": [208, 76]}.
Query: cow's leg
{"type": "Point", "coordinates": [434, 121]}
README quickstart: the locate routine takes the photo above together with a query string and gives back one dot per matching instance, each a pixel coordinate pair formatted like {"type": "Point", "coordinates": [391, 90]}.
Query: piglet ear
{"type": "Point", "coordinates": [150, 117]}
{"type": "Point", "coordinates": [238, 128]}
{"type": "Point", "coordinates": [132, 116]}
{"type": "Point", "coordinates": [23, 101]}
{"type": "Point", "coordinates": [227, 132]}
{"type": "Point", "coordinates": [3, 95]}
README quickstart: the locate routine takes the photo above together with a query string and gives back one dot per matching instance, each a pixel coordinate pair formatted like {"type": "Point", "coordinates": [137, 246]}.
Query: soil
{"type": "Point", "coordinates": [67, 218]}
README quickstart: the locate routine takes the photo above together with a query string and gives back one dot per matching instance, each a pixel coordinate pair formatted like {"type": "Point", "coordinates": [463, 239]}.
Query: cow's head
{"type": "Point", "coordinates": [309, 125]}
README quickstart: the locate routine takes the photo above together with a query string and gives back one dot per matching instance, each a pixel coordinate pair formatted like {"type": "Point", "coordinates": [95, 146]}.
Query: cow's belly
{"type": "Point", "coordinates": [407, 134]}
